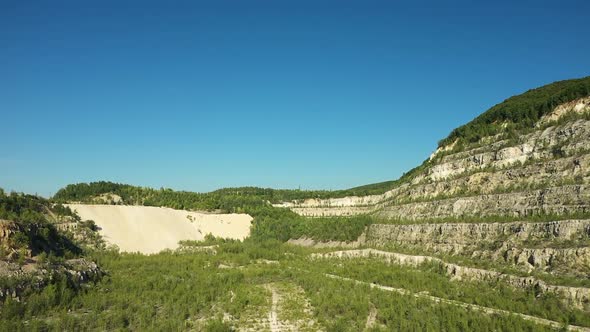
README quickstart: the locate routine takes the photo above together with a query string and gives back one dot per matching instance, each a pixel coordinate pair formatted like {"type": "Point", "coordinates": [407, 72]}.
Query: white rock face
{"type": "Point", "coordinates": [570, 139]}
{"type": "Point", "coordinates": [443, 149]}
{"type": "Point", "coordinates": [473, 233]}
{"type": "Point", "coordinates": [581, 105]}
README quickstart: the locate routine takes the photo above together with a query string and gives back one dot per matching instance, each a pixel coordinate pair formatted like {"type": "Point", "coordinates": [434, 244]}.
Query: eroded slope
{"type": "Point", "coordinates": [151, 229]}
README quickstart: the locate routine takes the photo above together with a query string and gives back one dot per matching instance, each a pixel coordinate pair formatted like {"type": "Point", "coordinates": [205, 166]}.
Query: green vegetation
{"type": "Point", "coordinates": [466, 259]}
{"type": "Point", "coordinates": [348, 312]}
{"type": "Point", "coordinates": [519, 112]}
{"type": "Point", "coordinates": [28, 227]}
{"type": "Point", "coordinates": [269, 222]}
{"type": "Point", "coordinates": [431, 278]}
{"type": "Point", "coordinates": [227, 199]}
{"type": "Point", "coordinates": [206, 292]}
{"type": "Point", "coordinates": [291, 226]}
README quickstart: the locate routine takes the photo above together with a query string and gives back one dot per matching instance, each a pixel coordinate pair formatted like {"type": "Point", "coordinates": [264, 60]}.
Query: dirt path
{"type": "Point", "coordinates": [485, 310]}
{"type": "Point", "coordinates": [371, 318]}
{"type": "Point", "coordinates": [273, 315]}
{"type": "Point", "coordinates": [290, 310]}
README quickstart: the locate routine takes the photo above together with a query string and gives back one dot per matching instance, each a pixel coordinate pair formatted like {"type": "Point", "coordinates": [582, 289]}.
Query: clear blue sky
{"type": "Point", "coordinates": [285, 94]}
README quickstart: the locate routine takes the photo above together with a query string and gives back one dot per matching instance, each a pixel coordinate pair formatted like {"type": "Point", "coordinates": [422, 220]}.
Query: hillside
{"type": "Point", "coordinates": [509, 206]}
{"type": "Point", "coordinates": [42, 245]}
{"type": "Point", "coordinates": [518, 114]}
{"type": "Point", "coordinates": [548, 159]}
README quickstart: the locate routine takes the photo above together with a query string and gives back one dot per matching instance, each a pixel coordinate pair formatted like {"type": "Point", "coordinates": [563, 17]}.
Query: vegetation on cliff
{"type": "Point", "coordinates": [227, 199]}
{"type": "Point", "coordinates": [519, 112]}
{"type": "Point", "coordinates": [36, 256]}
{"type": "Point", "coordinates": [28, 229]}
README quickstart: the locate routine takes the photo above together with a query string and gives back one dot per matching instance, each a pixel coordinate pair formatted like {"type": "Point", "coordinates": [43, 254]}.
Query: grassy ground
{"type": "Point", "coordinates": [233, 290]}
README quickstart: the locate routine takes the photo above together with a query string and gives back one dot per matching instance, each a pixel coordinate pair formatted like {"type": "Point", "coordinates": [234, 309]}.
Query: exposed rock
{"type": "Point", "coordinates": [556, 200]}
{"type": "Point", "coordinates": [306, 242]}
{"type": "Point", "coordinates": [108, 198]}
{"type": "Point", "coordinates": [473, 233]}
{"type": "Point", "coordinates": [555, 260]}
{"type": "Point", "coordinates": [81, 270]}
{"type": "Point", "coordinates": [580, 105]}
{"type": "Point", "coordinates": [33, 276]}
{"type": "Point", "coordinates": [452, 173]}
{"type": "Point", "coordinates": [7, 229]}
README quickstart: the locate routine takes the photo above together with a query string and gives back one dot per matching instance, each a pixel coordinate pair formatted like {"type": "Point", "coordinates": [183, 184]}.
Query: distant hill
{"type": "Point", "coordinates": [236, 199]}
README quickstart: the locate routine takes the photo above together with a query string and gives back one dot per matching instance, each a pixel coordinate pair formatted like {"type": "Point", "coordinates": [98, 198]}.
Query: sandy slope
{"type": "Point", "coordinates": [151, 229]}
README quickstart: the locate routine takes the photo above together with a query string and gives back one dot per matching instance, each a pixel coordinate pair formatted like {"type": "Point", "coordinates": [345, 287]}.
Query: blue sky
{"type": "Point", "coordinates": [285, 94]}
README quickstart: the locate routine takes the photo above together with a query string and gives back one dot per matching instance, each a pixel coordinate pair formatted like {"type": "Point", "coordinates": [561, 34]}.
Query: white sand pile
{"type": "Point", "coordinates": [152, 229]}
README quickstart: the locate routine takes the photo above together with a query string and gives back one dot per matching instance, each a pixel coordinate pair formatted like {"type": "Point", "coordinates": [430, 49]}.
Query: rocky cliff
{"type": "Point", "coordinates": [516, 197]}
{"type": "Point", "coordinates": [553, 156]}
{"type": "Point", "coordinates": [35, 251]}
{"type": "Point", "coordinates": [33, 276]}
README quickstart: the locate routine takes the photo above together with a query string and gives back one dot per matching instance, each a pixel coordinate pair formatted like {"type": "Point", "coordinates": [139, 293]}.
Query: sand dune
{"type": "Point", "coordinates": [149, 229]}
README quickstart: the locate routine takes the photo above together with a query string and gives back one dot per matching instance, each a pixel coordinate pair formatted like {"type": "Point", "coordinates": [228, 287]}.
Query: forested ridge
{"type": "Point", "coordinates": [520, 112]}
{"type": "Point", "coordinates": [237, 199]}
{"type": "Point", "coordinates": [226, 200]}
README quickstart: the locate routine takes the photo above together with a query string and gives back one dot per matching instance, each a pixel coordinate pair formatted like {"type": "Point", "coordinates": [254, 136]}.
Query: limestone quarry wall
{"type": "Point", "coordinates": [470, 233]}
{"type": "Point", "coordinates": [570, 137]}
{"type": "Point", "coordinates": [486, 169]}
{"type": "Point", "coordinates": [556, 200]}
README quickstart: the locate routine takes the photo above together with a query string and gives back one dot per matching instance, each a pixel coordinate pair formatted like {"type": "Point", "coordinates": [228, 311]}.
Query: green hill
{"type": "Point", "coordinates": [519, 112]}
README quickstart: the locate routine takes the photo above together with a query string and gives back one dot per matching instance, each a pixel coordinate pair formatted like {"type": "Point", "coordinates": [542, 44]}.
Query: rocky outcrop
{"type": "Point", "coordinates": [34, 276]}
{"type": "Point", "coordinates": [7, 229]}
{"type": "Point", "coordinates": [311, 243]}
{"type": "Point", "coordinates": [560, 153]}
{"type": "Point", "coordinates": [574, 261]}
{"type": "Point", "coordinates": [504, 243]}
{"type": "Point", "coordinates": [546, 257]}
{"type": "Point", "coordinates": [550, 173]}
{"type": "Point", "coordinates": [578, 297]}
{"type": "Point", "coordinates": [539, 144]}
{"type": "Point", "coordinates": [581, 105]}
{"type": "Point", "coordinates": [81, 270]}
{"type": "Point", "coordinates": [476, 233]}
{"type": "Point", "coordinates": [543, 172]}
{"type": "Point", "coordinates": [562, 200]}
{"type": "Point", "coordinates": [108, 198]}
